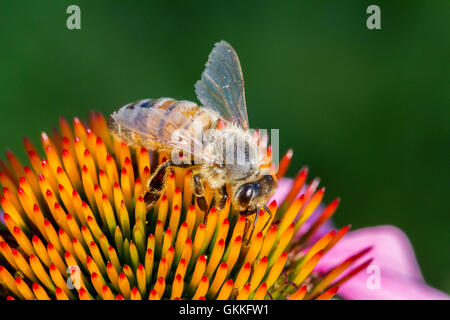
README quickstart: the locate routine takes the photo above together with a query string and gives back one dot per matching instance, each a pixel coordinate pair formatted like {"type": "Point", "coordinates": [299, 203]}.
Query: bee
{"type": "Point", "coordinates": [179, 126]}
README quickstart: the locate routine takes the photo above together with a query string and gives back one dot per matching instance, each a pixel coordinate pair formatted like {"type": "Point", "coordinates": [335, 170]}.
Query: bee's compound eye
{"type": "Point", "coordinates": [269, 179]}
{"type": "Point", "coordinates": [245, 195]}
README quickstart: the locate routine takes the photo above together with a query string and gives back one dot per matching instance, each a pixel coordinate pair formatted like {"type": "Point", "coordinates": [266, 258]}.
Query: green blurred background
{"type": "Point", "coordinates": [367, 111]}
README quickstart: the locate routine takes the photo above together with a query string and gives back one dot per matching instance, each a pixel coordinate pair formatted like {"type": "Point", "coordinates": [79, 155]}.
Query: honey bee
{"type": "Point", "coordinates": [170, 125]}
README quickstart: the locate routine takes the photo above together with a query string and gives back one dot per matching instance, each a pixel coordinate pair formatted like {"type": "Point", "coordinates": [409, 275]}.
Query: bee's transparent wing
{"type": "Point", "coordinates": [221, 86]}
{"type": "Point", "coordinates": [161, 123]}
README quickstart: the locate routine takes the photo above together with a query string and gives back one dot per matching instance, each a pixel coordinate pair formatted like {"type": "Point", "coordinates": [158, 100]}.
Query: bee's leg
{"type": "Point", "coordinates": [199, 192]}
{"type": "Point", "coordinates": [223, 200]}
{"type": "Point", "coordinates": [155, 185]}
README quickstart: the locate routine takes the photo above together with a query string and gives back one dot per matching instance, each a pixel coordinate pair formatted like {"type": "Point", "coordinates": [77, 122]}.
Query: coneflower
{"type": "Point", "coordinates": [77, 228]}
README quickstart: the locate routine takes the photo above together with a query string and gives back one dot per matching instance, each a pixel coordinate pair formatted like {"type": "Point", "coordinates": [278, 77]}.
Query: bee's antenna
{"type": "Point", "coordinates": [270, 218]}
{"type": "Point", "coordinates": [254, 225]}
{"type": "Point", "coordinates": [254, 222]}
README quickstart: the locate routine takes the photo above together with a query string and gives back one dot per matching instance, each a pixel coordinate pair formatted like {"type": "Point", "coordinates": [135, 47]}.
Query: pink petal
{"type": "Point", "coordinates": [323, 230]}
{"type": "Point", "coordinates": [283, 188]}
{"type": "Point", "coordinates": [393, 273]}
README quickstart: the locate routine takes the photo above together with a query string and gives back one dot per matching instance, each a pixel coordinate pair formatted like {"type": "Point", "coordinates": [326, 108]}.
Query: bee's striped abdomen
{"type": "Point", "coordinates": [122, 120]}
{"type": "Point", "coordinates": [151, 123]}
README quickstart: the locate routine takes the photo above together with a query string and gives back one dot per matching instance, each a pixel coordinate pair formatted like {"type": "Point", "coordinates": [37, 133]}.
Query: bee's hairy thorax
{"type": "Point", "coordinates": [238, 156]}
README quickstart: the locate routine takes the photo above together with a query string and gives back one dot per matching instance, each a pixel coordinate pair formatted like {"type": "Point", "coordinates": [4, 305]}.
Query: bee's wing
{"type": "Point", "coordinates": [160, 123]}
{"type": "Point", "coordinates": [221, 86]}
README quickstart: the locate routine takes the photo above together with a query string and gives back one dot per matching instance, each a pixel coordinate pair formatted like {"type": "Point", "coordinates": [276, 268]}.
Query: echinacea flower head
{"type": "Point", "coordinates": [76, 227]}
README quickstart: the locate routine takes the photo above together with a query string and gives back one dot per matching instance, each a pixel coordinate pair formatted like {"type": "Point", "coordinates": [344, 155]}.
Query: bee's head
{"type": "Point", "coordinates": [252, 195]}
